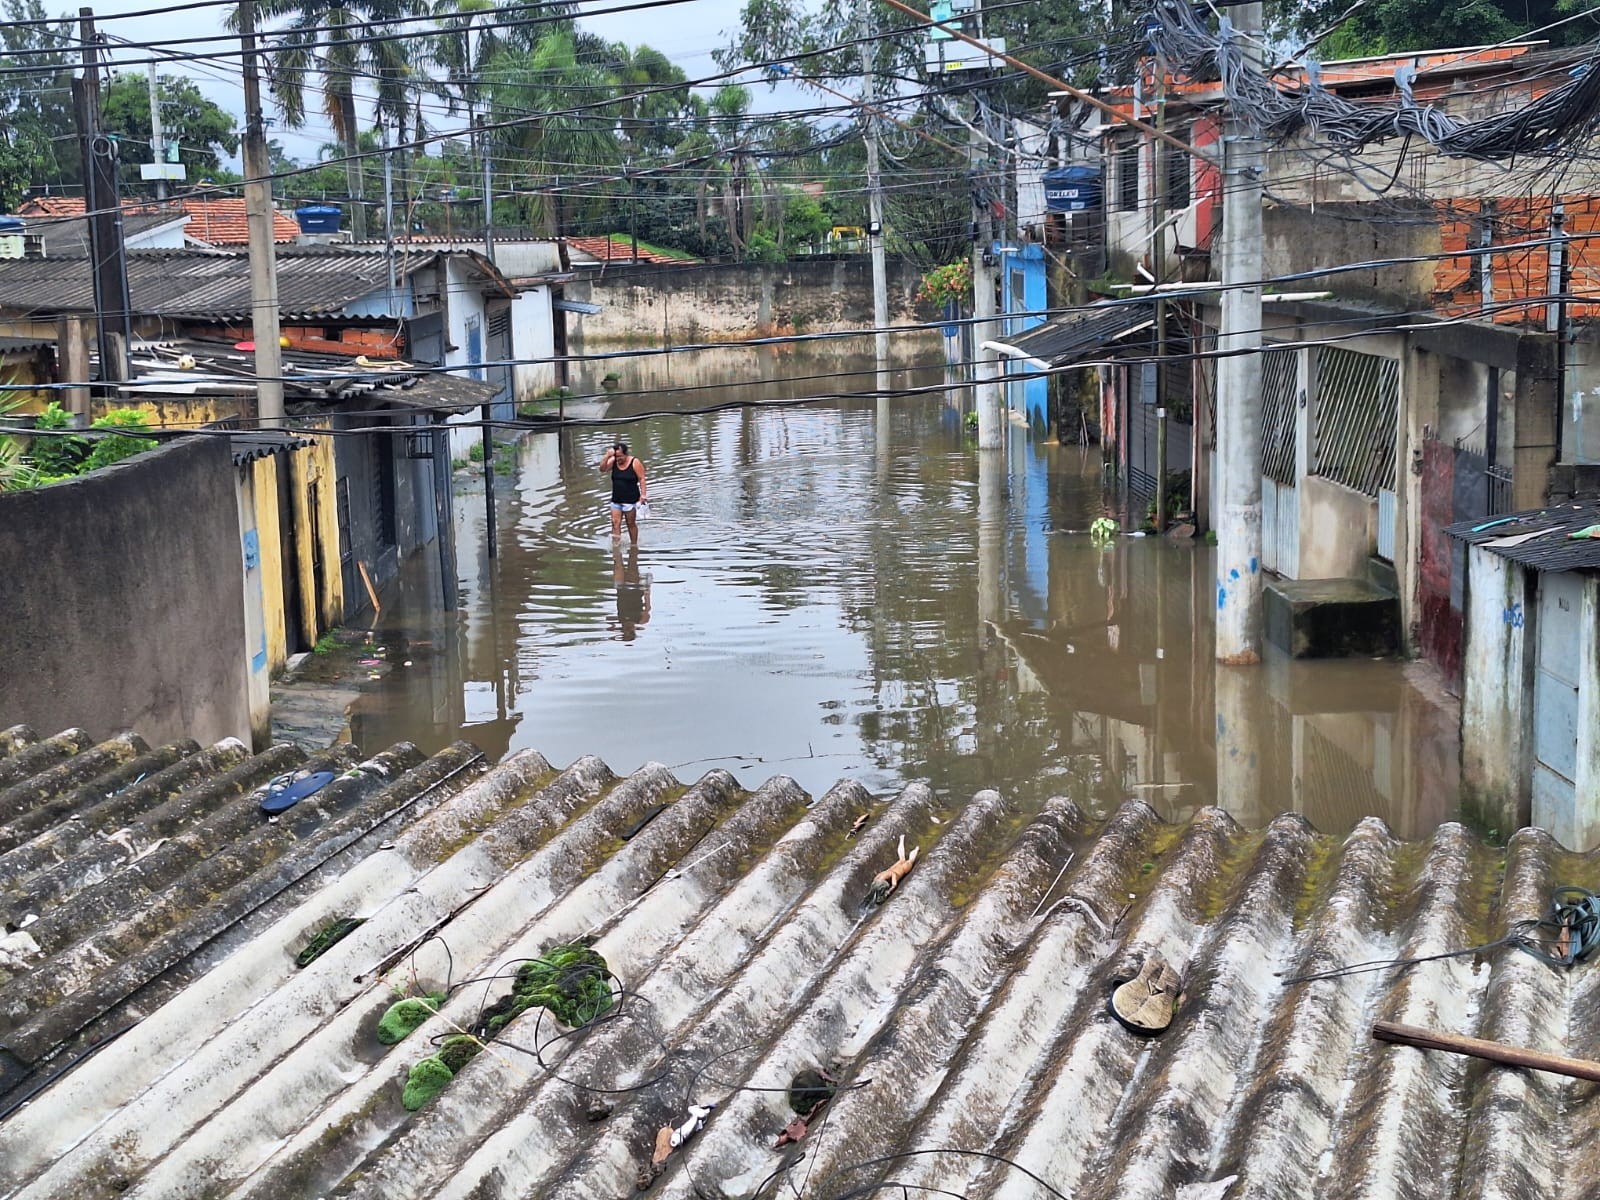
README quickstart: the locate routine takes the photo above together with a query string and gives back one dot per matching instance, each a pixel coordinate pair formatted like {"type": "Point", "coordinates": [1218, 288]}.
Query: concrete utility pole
{"type": "Point", "coordinates": [869, 121]}
{"type": "Point", "coordinates": [1239, 375]}
{"type": "Point", "coordinates": [986, 395]}
{"type": "Point", "coordinates": [258, 215]}
{"type": "Point", "coordinates": [388, 217]}
{"type": "Point", "coordinates": [158, 141]}
{"type": "Point", "coordinates": [488, 191]}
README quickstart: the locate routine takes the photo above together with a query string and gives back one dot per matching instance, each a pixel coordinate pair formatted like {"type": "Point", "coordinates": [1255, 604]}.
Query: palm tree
{"type": "Point", "coordinates": [744, 187]}
{"type": "Point", "coordinates": [340, 40]}
{"type": "Point", "coordinates": [551, 79]}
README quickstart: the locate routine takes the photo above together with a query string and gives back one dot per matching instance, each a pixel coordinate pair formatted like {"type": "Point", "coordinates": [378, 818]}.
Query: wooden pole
{"type": "Point", "coordinates": [1497, 1052]}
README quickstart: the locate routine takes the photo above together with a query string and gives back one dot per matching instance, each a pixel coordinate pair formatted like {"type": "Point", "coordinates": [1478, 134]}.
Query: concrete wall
{"type": "Point", "coordinates": [122, 594]}
{"type": "Point", "coordinates": [648, 306]}
{"type": "Point", "coordinates": [1337, 530]}
{"type": "Point", "coordinates": [1573, 818]}
{"type": "Point", "coordinates": [254, 539]}
{"type": "Point", "coordinates": [1497, 692]}
{"type": "Point", "coordinates": [1301, 239]}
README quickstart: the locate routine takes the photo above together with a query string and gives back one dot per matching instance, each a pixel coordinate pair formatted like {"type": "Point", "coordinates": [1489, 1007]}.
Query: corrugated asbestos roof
{"type": "Point", "coordinates": [1063, 340]}
{"type": "Point", "coordinates": [209, 284]}
{"type": "Point", "coordinates": [1541, 538]}
{"type": "Point", "coordinates": [968, 1012]}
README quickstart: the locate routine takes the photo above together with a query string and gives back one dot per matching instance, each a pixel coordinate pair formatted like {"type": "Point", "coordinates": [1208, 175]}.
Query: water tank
{"type": "Point", "coordinates": [1072, 189]}
{"type": "Point", "coordinates": [318, 218]}
{"type": "Point", "coordinates": [9, 224]}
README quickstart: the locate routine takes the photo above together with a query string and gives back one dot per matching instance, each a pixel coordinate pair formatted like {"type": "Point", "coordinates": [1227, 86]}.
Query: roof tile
{"type": "Point", "coordinates": [217, 222]}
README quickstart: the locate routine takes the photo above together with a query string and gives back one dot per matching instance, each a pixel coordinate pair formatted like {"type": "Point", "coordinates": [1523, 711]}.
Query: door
{"type": "Point", "coordinates": [1555, 693]}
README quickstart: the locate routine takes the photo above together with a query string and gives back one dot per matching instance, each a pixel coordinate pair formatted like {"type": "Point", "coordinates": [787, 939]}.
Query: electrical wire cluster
{"type": "Point", "coordinates": [1550, 124]}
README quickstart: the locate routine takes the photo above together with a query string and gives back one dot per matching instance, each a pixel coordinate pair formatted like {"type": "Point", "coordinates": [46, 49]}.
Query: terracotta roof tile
{"type": "Point", "coordinates": [616, 248]}
{"type": "Point", "coordinates": [219, 222]}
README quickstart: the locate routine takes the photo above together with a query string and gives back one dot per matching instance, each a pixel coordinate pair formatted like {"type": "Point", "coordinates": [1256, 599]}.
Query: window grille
{"type": "Point", "coordinates": [1128, 178]}
{"type": "Point", "coordinates": [1176, 163]}
{"type": "Point", "coordinates": [1279, 389]}
{"type": "Point", "coordinates": [1356, 414]}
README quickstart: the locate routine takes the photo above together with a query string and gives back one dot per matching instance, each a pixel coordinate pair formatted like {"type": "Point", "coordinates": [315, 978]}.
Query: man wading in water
{"type": "Point", "coordinates": [627, 489]}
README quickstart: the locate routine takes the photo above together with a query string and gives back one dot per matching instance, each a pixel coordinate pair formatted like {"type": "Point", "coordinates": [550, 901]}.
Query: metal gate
{"type": "Point", "coordinates": [1280, 500]}
{"type": "Point", "coordinates": [1356, 419]}
{"type": "Point", "coordinates": [1555, 692]}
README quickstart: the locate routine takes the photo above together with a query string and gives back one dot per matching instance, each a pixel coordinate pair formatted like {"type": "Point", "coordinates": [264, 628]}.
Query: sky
{"type": "Point", "coordinates": [685, 33]}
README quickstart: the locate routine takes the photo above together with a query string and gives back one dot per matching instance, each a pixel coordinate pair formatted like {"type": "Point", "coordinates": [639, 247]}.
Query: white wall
{"type": "Point", "coordinates": [1496, 703]}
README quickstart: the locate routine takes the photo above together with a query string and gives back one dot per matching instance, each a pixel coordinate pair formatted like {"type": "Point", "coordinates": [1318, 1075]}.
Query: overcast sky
{"type": "Point", "coordinates": [685, 33]}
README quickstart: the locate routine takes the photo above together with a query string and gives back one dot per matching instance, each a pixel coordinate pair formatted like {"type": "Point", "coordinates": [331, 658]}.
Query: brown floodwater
{"type": "Point", "coordinates": [848, 589]}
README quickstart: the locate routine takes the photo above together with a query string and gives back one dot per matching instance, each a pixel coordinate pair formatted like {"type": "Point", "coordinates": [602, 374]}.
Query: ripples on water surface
{"type": "Point", "coordinates": [848, 590]}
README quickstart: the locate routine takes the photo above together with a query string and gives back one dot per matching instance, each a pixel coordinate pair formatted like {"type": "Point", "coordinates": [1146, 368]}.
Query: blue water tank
{"type": "Point", "coordinates": [10, 224]}
{"type": "Point", "coordinates": [318, 218]}
{"type": "Point", "coordinates": [1072, 189]}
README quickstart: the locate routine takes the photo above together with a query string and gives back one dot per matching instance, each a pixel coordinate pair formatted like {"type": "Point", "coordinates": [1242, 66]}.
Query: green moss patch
{"type": "Point", "coordinates": [404, 1016]}
{"type": "Point", "coordinates": [458, 1050]}
{"type": "Point", "coordinates": [572, 981]}
{"type": "Point", "coordinates": [326, 937]}
{"type": "Point", "coordinates": [427, 1080]}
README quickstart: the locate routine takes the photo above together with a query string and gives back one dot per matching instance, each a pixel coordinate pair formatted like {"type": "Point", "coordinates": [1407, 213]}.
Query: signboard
{"type": "Point", "coordinates": [1072, 189]}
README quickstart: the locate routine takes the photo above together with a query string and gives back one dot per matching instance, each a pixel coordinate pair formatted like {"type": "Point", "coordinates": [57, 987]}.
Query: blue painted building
{"type": "Point", "coordinates": [1023, 307]}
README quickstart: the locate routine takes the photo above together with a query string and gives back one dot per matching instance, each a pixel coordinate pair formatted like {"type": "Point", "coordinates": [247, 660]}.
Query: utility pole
{"type": "Point", "coordinates": [1239, 374]}
{"type": "Point", "coordinates": [986, 393]}
{"type": "Point", "coordinates": [103, 209]}
{"type": "Point", "coordinates": [258, 216]}
{"type": "Point", "coordinates": [880, 280]}
{"type": "Point", "coordinates": [488, 191]}
{"type": "Point", "coordinates": [1158, 257]}
{"type": "Point", "coordinates": [158, 142]}
{"type": "Point", "coordinates": [388, 216]}
{"type": "Point", "coordinates": [491, 532]}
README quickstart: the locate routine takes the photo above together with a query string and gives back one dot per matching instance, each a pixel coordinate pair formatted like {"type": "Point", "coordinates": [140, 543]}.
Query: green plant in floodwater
{"type": "Point", "coordinates": [325, 938]}
{"type": "Point", "coordinates": [971, 420]}
{"type": "Point", "coordinates": [427, 1080]}
{"type": "Point", "coordinates": [403, 1017]}
{"type": "Point", "coordinates": [1102, 530]}
{"type": "Point", "coordinates": [326, 644]}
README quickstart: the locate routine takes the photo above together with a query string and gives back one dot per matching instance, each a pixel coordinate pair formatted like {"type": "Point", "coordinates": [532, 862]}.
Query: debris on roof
{"type": "Point", "coordinates": [1559, 538]}
{"type": "Point", "coordinates": [958, 1036]}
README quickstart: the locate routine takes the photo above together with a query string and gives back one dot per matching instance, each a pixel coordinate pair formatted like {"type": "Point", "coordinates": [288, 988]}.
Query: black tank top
{"type": "Point", "coordinates": [625, 484]}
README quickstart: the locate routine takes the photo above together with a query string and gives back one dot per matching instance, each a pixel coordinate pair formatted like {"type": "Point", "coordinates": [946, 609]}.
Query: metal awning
{"type": "Point", "coordinates": [250, 444]}
{"type": "Point", "coordinates": [1547, 539]}
{"type": "Point", "coordinates": [1064, 340]}
{"type": "Point", "coordinates": [562, 304]}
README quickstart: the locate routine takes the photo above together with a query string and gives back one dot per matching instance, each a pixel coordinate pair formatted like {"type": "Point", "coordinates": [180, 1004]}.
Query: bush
{"type": "Point", "coordinates": [54, 454]}
{"type": "Point", "coordinates": [108, 450]}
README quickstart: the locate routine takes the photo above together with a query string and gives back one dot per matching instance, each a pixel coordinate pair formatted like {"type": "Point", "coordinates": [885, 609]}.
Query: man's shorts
{"type": "Point", "coordinates": [623, 507]}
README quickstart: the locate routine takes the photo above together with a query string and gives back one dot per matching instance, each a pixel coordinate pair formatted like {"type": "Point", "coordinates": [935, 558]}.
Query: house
{"type": "Point", "coordinates": [1530, 707]}
{"type": "Point", "coordinates": [166, 999]}
{"type": "Point", "coordinates": [214, 221]}
{"type": "Point", "coordinates": [1379, 426]}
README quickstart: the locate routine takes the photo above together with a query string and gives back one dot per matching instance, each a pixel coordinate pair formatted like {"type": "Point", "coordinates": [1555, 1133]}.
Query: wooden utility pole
{"type": "Point", "coordinates": [103, 213]}
{"type": "Point", "coordinates": [258, 215]}
{"type": "Point", "coordinates": [1238, 482]}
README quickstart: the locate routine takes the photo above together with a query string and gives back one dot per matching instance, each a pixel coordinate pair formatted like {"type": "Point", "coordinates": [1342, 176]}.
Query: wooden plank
{"type": "Point", "coordinates": [1497, 1052]}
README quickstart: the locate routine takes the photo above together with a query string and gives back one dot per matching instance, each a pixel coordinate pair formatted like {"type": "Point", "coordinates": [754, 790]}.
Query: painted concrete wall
{"type": "Point", "coordinates": [649, 306]}
{"type": "Point", "coordinates": [1497, 692]}
{"type": "Point", "coordinates": [1338, 530]}
{"type": "Point", "coordinates": [533, 337]}
{"type": "Point", "coordinates": [263, 481]}
{"type": "Point", "coordinates": [122, 593]}
{"type": "Point", "coordinates": [252, 539]}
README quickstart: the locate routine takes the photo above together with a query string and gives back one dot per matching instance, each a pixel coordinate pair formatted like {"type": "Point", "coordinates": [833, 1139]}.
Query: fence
{"type": "Point", "coordinates": [1355, 419]}
{"type": "Point", "coordinates": [1279, 386]}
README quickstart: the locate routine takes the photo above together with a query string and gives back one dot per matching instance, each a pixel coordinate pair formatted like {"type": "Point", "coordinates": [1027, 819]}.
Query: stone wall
{"type": "Point", "coordinates": [122, 594]}
{"type": "Point", "coordinates": [666, 305]}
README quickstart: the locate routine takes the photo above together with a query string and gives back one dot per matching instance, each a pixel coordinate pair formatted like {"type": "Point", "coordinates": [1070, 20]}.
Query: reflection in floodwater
{"type": "Point", "coordinates": [851, 590]}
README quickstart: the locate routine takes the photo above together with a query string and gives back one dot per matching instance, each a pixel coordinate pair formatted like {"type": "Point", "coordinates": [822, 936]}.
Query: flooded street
{"type": "Point", "coordinates": [849, 590]}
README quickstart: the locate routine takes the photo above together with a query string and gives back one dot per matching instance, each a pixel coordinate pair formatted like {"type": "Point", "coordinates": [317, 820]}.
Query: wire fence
{"type": "Point", "coordinates": [1355, 419]}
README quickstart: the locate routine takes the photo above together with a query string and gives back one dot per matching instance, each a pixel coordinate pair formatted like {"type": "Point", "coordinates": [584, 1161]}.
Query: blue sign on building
{"type": "Point", "coordinates": [1072, 189]}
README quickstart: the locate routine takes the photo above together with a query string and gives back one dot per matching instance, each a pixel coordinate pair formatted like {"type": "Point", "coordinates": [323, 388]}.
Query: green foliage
{"type": "Point", "coordinates": [204, 132]}
{"type": "Point", "coordinates": [763, 247]}
{"type": "Point", "coordinates": [427, 1079]}
{"type": "Point", "coordinates": [325, 938]}
{"type": "Point", "coordinates": [326, 644]}
{"type": "Point", "coordinates": [107, 450]}
{"type": "Point", "coordinates": [805, 221]}
{"type": "Point", "coordinates": [1393, 26]}
{"type": "Point", "coordinates": [572, 981]}
{"type": "Point", "coordinates": [475, 452]}
{"type": "Point", "coordinates": [1102, 530]}
{"type": "Point", "coordinates": [951, 282]}
{"type": "Point", "coordinates": [57, 456]}
{"type": "Point", "coordinates": [403, 1017]}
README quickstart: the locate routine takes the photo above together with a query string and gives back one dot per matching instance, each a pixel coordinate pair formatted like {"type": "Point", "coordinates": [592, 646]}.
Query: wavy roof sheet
{"type": "Point", "coordinates": [965, 1017]}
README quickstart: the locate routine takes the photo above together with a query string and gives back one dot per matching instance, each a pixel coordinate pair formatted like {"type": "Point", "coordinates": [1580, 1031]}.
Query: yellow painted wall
{"type": "Point", "coordinates": [17, 372]}
{"type": "Point", "coordinates": [322, 607]}
{"type": "Point", "coordinates": [181, 412]}
{"type": "Point", "coordinates": [264, 474]}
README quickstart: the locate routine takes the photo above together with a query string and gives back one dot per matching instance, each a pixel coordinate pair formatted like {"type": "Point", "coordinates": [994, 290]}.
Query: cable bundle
{"type": "Point", "coordinates": [1548, 125]}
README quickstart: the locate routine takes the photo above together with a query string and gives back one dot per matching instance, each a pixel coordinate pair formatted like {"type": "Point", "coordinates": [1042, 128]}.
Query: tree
{"type": "Point", "coordinates": [341, 41]}
{"type": "Point", "coordinates": [203, 131]}
{"type": "Point", "coordinates": [35, 105]}
{"type": "Point", "coordinates": [537, 90]}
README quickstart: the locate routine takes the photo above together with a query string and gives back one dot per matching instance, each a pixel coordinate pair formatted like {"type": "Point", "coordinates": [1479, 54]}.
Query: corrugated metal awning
{"type": "Point", "coordinates": [578, 306]}
{"type": "Point", "coordinates": [1064, 340]}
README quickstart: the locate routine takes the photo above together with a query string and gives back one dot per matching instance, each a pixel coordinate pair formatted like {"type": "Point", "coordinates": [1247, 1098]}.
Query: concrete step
{"type": "Point", "coordinates": [1332, 618]}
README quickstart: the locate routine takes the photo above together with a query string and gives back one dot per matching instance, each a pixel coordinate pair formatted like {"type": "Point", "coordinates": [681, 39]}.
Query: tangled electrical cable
{"type": "Point", "coordinates": [1550, 124]}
